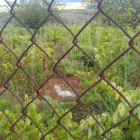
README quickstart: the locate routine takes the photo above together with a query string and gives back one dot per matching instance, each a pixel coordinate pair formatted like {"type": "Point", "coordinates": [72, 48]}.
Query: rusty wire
{"type": "Point", "coordinates": [55, 71]}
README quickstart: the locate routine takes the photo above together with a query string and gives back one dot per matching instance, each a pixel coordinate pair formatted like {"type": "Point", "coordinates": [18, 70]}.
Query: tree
{"type": "Point", "coordinates": [33, 12]}
{"type": "Point", "coordinates": [125, 12]}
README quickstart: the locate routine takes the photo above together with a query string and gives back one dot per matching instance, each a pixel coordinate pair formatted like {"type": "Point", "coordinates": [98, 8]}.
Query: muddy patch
{"type": "Point", "coordinates": [58, 88]}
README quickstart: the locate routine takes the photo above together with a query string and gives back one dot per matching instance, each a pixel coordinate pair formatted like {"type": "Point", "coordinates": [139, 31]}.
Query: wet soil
{"type": "Point", "coordinates": [49, 88]}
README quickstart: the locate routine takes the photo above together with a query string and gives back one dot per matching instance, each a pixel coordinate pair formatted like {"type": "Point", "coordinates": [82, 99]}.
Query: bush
{"type": "Point", "coordinates": [87, 129]}
{"type": "Point", "coordinates": [33, 12]}
{"type": "Point", "coordinates": [125, 12]}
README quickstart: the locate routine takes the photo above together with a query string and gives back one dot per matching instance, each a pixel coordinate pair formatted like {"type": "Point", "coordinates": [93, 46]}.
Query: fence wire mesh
{"type": "Point", "coordinates": [33, 40]}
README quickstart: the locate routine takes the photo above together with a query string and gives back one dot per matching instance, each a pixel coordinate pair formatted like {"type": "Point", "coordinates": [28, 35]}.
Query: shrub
{"type": "Point", "coordinates": [33, 12]}
{"type": "Point", "coordinates": [87, 129]}
{"type": "Point", "coordinates": [125, 12]}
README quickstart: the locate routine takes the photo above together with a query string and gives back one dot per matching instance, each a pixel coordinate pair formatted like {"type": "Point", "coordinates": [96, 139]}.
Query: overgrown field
{"type": "Point", "coordinates": [103, 44]}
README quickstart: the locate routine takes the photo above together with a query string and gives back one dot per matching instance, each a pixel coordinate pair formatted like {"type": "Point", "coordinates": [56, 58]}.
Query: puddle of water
{"type": "Point", "coordinates": [63, 93]}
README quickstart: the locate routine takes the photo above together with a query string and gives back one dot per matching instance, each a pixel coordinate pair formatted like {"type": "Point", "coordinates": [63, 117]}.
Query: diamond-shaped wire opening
{"type": "Point", "coordinates": [6, 102]}
{"type": "Point", "coordinates": [62, 88]}
{"type": "Point", "coordinates": [124, 73]}
{"type": "Point", "coordinates": [37, 64]}
{"type": "Point", "coordinates": [110, 42]}
{"type": "Point", "coordinates": [123, 128]}
{"type": "Point", "coordinates": [101, 98]}
{"type": "Point", "coordinates": [21, 84]}
{"type": "Point", "coordinates": [2, 81]}
{"type": "Point", "coordinates": [82, 63]}
{"type": "Point", "coordinates": [137, 43]}
{"type": "Point", "coordinates": [8, 61]}
{"type": "Point", "coordinates": [47, 111]}
{"type": "Point", "coordinates": [17, 40]}
{"type": "Point", "coordinates": [56, 38]}
{"type": "Point", "coordinates": [6, 125]}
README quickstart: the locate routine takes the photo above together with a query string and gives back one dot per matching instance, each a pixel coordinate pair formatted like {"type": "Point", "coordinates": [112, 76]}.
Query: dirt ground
{"type": "Point", "coordinates": [76, 15]}
{"type": "Point", "coordinates": [49, 88]}
{"type": "Point", "coordinates": [68, 16]}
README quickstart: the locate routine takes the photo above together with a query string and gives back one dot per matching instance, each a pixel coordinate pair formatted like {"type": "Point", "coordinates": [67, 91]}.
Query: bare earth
{"type": "Point", "coordinates": [76, 15]}
{"type": "Point", "coordinates": [72, 13]}
{"type": "Point", "coordinates": [68, 16]}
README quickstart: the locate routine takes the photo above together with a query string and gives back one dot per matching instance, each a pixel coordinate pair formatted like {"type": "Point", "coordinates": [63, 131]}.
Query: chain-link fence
{"type": "Point", "coordinates": [33, 40]}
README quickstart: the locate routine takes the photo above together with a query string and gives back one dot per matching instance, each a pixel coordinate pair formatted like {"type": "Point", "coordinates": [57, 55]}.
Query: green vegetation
{"type": "Point", "coordinates": [33, 12]}
{"type": "Point", "coordinates": [124, 12]}
{"type": "Point", "coordinates": [103, 44]}
{"type": "Point", "coordinates": [87, 129]}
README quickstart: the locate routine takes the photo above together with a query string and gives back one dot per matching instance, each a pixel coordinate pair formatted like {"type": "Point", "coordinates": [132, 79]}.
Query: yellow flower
{"type": "Point", "coordinates": [117, 96]}
{"type": "Point", "coordinates": [26, 98]}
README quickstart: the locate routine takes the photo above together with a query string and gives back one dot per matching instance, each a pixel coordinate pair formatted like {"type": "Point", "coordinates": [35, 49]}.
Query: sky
{"type": "Point", "coordinates": [65, 1]}
{"type": "Point", "coordinates": [3, 3]}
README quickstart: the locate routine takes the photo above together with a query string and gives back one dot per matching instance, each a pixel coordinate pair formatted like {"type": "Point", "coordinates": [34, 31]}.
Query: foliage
{"type": "Point", "coordinates": [33, 12]}
{"type": "Point", "coordinates": [55, 40]}
{"type": "Point", "coordinates": [125, 12]}
{"type": "Point", "coordinates": [87, 129]}
{"type": "Point", "coordinates": [121, 11]}
{"type": "Point", "coordinates": [45, 120]}
{"type": "Point", "coordinates": [126, 130]}
{"type": "Point", "coordinates": [103, 44]}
